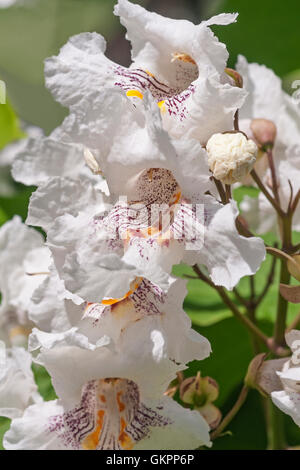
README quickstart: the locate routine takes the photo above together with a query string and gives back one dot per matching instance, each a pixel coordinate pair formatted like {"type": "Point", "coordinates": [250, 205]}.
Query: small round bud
{"type": "Point", "coordinates": [264, 133]}
{"type": "Point", "coordinates": [237, 79]}
{"type": "Point", "coordinates": [201, 392]}
{"type": "Point", "coordinates": [231, 156]}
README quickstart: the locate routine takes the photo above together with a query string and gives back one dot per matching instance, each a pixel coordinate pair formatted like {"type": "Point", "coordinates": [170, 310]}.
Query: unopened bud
{"type": "Point", "coordinates": [200, 392]}
{"type": "Point", "coordinates": [294, 267]}
{"type": "Point", "coordinates": [235, 76]}
{"type": "Point", "coordinates": [267, 379]}
{"type": "Point", "coordinates": [264, 133]}
{"type": "Point", "coordinates": [251, 379]}
{"type": "Point", "coordinates": [231, 156]}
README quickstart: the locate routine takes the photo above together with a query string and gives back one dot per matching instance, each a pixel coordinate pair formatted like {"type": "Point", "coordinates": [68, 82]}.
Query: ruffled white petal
{"type": "Point", "coordinates": [30, 432]}
{"type": "Point", "coordinates": [17, 386]}
{"type": "Point", "coordinates": [152, 424]}
{"type": "Point", "coordinates": [289, 403]}
{"type": "Point", "coordinates": [187, 429]}
{"type": "Point", "coordinates": [227, 255]}
{"type": "Point", "coordinates": [47, 157]}
{"type": "Point", "coordinates": [58, 196]}
{"type": "Point", "coordinates": [22, 255]}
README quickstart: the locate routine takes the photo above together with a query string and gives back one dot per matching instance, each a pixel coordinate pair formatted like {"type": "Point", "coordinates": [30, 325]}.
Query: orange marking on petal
{"type": "Point", "coordinates": [135, 93]}
{"type": "Point", "coordinates": [102, 398]}
{"type": "Point", "coordinates": [183, 57]}
{"type": "Point", "coordinates": [130, 292]}
{"type": "Point", "coordinates": [125, 440]}
{"type": "Point", "coordinates": [19, 331]}
{"type": "Point", "coordinates": [161, 105]}
{"type": "Point", "coordinates": [120, 403]}
{"type": "Point", "coordinates": [177, 197]}
{"type": "Point", "coordinates": [91, 441]}
{"type": "Point", "coordinates": [150, 174]}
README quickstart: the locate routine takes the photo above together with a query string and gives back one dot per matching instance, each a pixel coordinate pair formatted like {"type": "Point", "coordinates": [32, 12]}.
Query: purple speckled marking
{"type": "Point", "coordinates": [174, 98]}
{"type": "Point", "coordinates": [74, 426]}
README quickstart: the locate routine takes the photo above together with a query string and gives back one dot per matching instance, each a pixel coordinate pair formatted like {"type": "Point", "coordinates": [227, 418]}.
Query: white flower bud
{"type": "Point", "coordinates": [231, 156]}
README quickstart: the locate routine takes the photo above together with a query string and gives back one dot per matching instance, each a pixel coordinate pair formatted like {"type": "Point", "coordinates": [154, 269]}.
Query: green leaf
{"type": "Point", "coordinates": [4, 426]}
{"type": "Point", "coordinates": [43, 381]}
{"type": "Point", "coordinates": [265, 33]}
{"type": "Point", "coordinates": [9, 125]}
{"type": "Point", "coordinates": [10, 206]}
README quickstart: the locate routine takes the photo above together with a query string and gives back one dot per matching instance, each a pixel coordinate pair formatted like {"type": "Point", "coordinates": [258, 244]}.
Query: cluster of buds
{"type": "Point", "coordinates": [198, 393]}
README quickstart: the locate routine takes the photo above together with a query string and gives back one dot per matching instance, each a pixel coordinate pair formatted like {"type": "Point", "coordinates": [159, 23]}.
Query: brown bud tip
{"type": "Point", "coordinates": [253, 370]}
{"type": "Point", "coordinates": [264, 132]}
{"type": "Point", "coordinates": [237, 78]}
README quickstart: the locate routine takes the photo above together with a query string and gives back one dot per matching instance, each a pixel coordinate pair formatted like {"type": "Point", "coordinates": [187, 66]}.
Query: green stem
{"type": "Point", "coordinates": [232, 306]}
{"type": "Point", "coordinates": [282, 304]}
{"type": "Point", "coordinates": [275, 431]}
{"type": "Point", "coordinates": [282, 308]}
{"type": "Point", "coordinates": [267, 194]}
{"type": "Point", "coordinates": [231, 414]}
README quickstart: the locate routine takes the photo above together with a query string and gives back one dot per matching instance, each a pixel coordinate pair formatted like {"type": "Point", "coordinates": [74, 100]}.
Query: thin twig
{"type": "Point", "coordinates": [221, 190]}
{"type": "Point", "coordinates": [252, 290]}
{"type": "Point", "coordinates": [266, 193]}
{"type": "Point", "coordinates": [291, 196]}
{"type": "Point", "coordinates": [228, 192]}
{"type": "Point", "coordinates": [242, 229]}
{"type": "Point", "coordinates": [295, 202]}
{"type": "Point", "coordinates": [236, 121]}
{"type": "Point", "coordinates": [269, 282]}
{"type": "Point", "coordinates": [281, 255]}
{"type": "Point", "coordinates": [239, 297]}
{"type": "Point", "coordinates": [232, 306]}
{"type": "Point", "coordinates": [274, 177]}
{"type": "Point", "coordinates": [231, 414]}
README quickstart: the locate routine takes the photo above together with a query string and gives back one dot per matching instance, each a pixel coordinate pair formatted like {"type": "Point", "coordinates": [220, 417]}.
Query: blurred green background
{"type": "Point", "coordinates": [266, 32]}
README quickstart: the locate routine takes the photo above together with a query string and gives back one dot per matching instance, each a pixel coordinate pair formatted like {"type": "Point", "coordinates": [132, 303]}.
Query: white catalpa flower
{"type": "Point", "coordinates": [153, 309]}
{"type": "Point", "coordinates": [157, 176]}
{"type": "Point", "coordinates": [31, 291]}
{"type": "Point", "coordinates": [258, 211]}
{"type": "Point", "coordinates": [288, 398]}
{"type": "Point", "coordinates": [22, 255]}
{"type": "Point", "coordinates": [267, 100]}
{"type": "Point", "coordinates": [44, 158]}
{"type": "Point", "coordinates": [8, 154]}
{"type": "Point", "coordinates": [181, 64]}
{"type": "Point", "coordinates": [109, 398]}
{"type": "Point", "coordinates": [17, 386]}
{"type": "Point", "coordinates": [281, 379]}
{"type": "Point", "coordinates": [112, 414]}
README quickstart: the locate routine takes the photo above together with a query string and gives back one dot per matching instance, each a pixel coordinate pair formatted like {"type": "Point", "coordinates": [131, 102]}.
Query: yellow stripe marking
{"type": "Point", "coordinates": [131, 291]}
{"type": "Point", "coordinates": [135, 93]}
